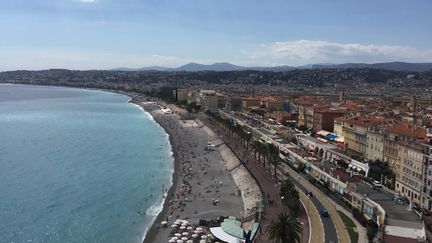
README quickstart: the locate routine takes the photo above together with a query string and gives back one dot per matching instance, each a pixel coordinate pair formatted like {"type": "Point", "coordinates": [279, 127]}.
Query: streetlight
{"type": "Point", "coordinates": [302, 224]}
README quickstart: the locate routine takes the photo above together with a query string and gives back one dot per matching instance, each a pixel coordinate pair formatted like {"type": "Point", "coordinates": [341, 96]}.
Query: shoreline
{"type": "Point", "coordinates": [188, 143]}
{"type": "Point", "coordinates": [171, 184]}
{"type": "Point", "coordinates": [150, 233]}
{"type": "Point", "coordinates": [227, 195]}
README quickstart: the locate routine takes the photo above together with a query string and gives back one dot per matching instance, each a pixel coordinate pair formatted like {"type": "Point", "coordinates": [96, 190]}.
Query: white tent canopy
{"type": "Point", "coordinates": [222, 235]}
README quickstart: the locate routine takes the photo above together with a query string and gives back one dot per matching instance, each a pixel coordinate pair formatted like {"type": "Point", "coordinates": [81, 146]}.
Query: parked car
{"type": "Point", "coordinates": [325, 213]}
{"type": "Point", "coordinates": [309, 194]}
{"type": "Point", "coordinates": [367, 181]}
{"type": "Point", "coordinates": [377, 184]}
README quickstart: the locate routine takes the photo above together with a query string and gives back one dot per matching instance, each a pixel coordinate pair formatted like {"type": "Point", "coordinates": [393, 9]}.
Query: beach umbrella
{"type": "Point", "coordinates": [189, 228]}
{"type": "Point", "coordinates": [171, 241]}
{"type": "Point", "coordinates": [177, 234]}
{"type": "Point", "coordinates": [173, 226]}
{"type": "Point", "coordinates": [199, 228]}
{"type": "Point", "coordinates": [194, 235]}
{"type": "Point", "coordinates": [184, 238]}
{"type": "Point", "coordinates": [189, 241]}
{"type": "Point", "coordinates": [202, 241]}
{"type": "Point", "coordinates": [179, 241]}
{"type": "Point", "coordinates": [185, 233]}
{"type": "Point", "coordinates": [203, 237]}
{"type": "Point", "coordinates": [174, 238]}
{"type": "Point", "coordinates": [182, 227]}
{"type": "Point", "coordinates": [183, 224]}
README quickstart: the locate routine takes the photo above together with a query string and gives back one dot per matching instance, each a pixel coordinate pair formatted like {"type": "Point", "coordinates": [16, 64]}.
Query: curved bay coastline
{"type": "Point", "coordinates": [189, 143]}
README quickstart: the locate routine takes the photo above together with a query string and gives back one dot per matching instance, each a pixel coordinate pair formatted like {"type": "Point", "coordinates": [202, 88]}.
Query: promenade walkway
{"type": "Point", "coordinates": [267, 184]}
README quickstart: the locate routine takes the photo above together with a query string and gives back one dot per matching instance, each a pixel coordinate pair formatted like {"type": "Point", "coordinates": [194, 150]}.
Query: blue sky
{"type": "Point", "coordinates": [99, 34]}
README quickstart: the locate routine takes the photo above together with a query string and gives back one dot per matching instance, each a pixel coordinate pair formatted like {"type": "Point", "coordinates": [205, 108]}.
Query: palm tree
{"type": "Point", "coordinates": [284, 229]}
{"type": "Point", "coordinates": [248, 137]}
{"type": "Point", "coordinates": [274, 156]}
{"type": "Point", "coordinates": [276, 160]}
{"type": "Point", "coordinates": [265, 152]}
{"type": "Point", "coordinates": [257, 148]}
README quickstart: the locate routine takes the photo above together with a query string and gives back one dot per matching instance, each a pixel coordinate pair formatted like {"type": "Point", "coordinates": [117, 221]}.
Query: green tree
{"type": "Point", "coordinates": [370, 233]}
{"type": "Point", "coordinates": [257, 147]}
{"type": "Point", "coordinates": [290, 197]}
{"type": "Point", "coordinates": [284, 229]}
{"type": "Point", "coordinates": [275, 161]}
{"type": "Point", "coordinates": [301, 168]}
{"type": "Point", "coordinates": [265, 152]}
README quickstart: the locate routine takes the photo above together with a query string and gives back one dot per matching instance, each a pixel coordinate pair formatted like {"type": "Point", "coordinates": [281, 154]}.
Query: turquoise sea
{"type": "Point", "coordinates": [78, 166]}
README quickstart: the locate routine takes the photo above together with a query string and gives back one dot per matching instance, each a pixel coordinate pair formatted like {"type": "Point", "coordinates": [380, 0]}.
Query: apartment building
{"type": "Point", "coordinates": [324, 119]}
{"type": "Point", "coordinates": [221, 101]}
{"type": "Point", "coordinates": [181, 94]}
{"type": "Point", "coordinates": [250, 102]}
{"type": "Point", "coordinates": [302, 120]}
{"type": "Point", "coordinates": [272, 103]}
{"type": "Point", "coordinates": [338, 124]}
{"type": "Point", "coordinates": [208, 100]}
{"type": "Point", "coordinates": [427, 173]}
{"type": "Point", "coordinates": [409, 172]}
{"type": "Point", "coordinates": [375, 143]}
{"type": "Point", "coordinates": [354, 131]}
{"type": "Point", "coordinates": [399, 132]}
{"type": "Point", "coordinates": [310, 117]}
{"type": "Point", "coordinates": [233, 103]}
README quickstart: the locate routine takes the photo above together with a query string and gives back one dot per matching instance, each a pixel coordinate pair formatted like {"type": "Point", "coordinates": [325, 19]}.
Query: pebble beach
{"type": "Point", "coordinates": [208, 180]}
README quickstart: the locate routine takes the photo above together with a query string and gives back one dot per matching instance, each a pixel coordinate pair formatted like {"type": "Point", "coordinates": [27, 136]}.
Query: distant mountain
{"type": "Point", "coordinates": [394, 66]}
{"type": "Point", "coordinates": [151, 68]}
{"type": "Point", "coordinates": [220, 66]}
{"type": "Point", "coordinates": [224, 66]}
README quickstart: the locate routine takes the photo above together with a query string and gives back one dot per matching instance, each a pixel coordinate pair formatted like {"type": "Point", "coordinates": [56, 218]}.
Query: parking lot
{"type": "Point", "coordinates": [386, 200]}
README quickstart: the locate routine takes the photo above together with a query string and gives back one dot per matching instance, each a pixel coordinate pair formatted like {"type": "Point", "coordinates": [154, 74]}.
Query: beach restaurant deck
{"type": "Point", "coordinates": [230, 231]}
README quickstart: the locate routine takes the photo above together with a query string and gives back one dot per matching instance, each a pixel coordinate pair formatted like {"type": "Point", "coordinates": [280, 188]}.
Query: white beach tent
{"type": "Point", "coordinates": [222, 235]}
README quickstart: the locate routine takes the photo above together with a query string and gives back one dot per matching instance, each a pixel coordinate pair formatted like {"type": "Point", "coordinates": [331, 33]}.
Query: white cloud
{"type": "Point", "coordinates": [308, 51]}
{"type": "Point", "coordinates": [87, 1]}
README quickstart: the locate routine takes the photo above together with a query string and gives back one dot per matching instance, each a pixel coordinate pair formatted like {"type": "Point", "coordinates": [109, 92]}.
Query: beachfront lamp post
{"type": "Point", "coordinates": [302, 224]}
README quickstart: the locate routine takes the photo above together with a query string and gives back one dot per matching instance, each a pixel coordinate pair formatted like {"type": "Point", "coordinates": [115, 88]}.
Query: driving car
{"type": "Point", "coordinates": [325, 213]}
{"type": "Point", "coordinates": [377, 184]}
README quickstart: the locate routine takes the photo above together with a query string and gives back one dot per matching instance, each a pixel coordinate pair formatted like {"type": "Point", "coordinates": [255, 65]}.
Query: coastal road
{"type": "Point", "coordinates": [330, 233]}
{"type": "Point", "coordinates": [320, 200]}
